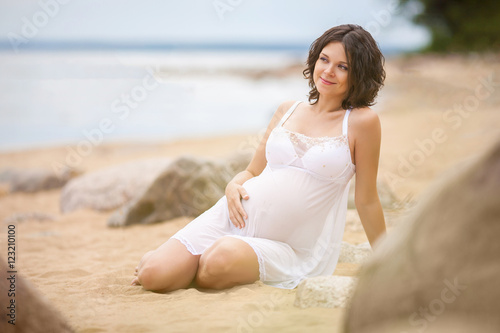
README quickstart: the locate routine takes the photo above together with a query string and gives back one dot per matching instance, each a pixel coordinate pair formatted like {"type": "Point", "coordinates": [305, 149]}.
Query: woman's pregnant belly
{"type": "Point", "coordinates": [280, 206]}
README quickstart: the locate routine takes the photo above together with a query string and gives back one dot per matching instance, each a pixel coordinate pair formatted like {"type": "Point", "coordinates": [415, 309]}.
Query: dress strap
{"type": "Point", "coordinates": [344, 124]}
{"type": "Point", "coordinates": [288, 113]}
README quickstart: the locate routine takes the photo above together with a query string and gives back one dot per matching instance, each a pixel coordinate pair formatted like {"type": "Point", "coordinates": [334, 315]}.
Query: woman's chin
{"type": "Point", "coordinates": [331, 93]}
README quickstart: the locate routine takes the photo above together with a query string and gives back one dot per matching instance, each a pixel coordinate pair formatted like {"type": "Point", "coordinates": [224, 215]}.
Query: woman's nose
{"type": "Point", "coordinates": [329, 70]}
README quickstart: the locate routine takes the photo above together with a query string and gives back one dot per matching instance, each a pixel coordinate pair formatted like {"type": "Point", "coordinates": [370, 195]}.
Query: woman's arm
{"type": "Point", "coordinates": [367, 134]}
{"type": "Point", "coordinates": [234, 189]}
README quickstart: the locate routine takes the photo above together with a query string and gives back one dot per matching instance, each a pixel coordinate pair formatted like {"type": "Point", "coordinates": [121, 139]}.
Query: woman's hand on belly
{"type": "Point", "coordinates": [234, 193]}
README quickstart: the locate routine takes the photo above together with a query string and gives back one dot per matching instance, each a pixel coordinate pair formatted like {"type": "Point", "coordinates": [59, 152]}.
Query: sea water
{"type": "Point", "coordinates": [53, 97]}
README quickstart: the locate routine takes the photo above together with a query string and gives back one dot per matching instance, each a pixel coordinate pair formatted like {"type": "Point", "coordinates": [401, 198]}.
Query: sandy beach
{"type": "Point", "coordinates": [435, 112]}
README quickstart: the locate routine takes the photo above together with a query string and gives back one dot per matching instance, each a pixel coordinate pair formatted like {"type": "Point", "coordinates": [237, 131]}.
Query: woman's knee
{"type": "Point", "coordinates": [149, 278]}
{"type": "Point", "coordinates": [158, 275]}
{"type": "Point", "coordinates": [218, 263]}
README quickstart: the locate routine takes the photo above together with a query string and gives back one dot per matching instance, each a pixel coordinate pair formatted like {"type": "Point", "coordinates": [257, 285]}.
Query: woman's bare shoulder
{"type": "Point", "coordinates": [282, 109]}
{"type": "Point", "coordinates": [285, 106]}
{"type": "Point", "coordinates": [364, 118]}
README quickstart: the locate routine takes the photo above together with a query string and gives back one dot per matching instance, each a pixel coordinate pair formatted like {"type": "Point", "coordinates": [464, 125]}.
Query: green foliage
{"type": "Point", "coordinates": [460, 25]}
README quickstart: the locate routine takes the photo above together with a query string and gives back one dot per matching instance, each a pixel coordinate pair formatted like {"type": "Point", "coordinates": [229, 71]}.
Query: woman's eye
{"type": "Point", "coordinates": [343, 67]}
{"type": "Point", "coordinates": [323, 59]}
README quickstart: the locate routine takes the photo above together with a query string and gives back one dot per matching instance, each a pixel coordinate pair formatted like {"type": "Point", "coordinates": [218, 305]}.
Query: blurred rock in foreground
{"type": "Point", "coordinates": [438, 271]}
{"type": "Point", "coordinates": [24, 309]}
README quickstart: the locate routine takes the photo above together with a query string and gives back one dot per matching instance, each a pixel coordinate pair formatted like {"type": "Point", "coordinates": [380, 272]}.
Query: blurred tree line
{"type": "Point", "coordinates": [460, 25]}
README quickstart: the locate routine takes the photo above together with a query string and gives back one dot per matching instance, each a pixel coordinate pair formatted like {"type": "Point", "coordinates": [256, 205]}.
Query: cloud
{"type": "Point", "coordinates": [262, 21]}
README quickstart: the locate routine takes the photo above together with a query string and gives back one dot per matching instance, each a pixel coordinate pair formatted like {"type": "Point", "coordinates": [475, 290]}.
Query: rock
{"type": "Point", "coordinates": [29, 216]}
{"type": "Point", "coordinates": [438, 270]}
{"type": "Point", "coordinates": [34, 180]}
{"type": "Point", "coordinates": [354, 254]}
{"type": "Point", "coordinates": [188, 187]}
{"type": "Point", "coordinates": [445, 324]}
{"type": "Point", "coordinates": [33, 312]}
{"type": "Point", "coordinates": [4, 189]}
{"type": "Point", "coordinates": [109, 188]}
{"type": "Point", "coordinates": [324, 291]}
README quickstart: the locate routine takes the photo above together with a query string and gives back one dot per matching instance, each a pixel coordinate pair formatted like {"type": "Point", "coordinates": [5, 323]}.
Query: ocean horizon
{"type": "Point", "coordinates": [93, 45]}
{"type": "Point", "coordinates": [54, 94]}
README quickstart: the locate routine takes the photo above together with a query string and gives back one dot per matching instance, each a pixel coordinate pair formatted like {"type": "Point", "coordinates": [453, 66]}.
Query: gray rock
{"type": "Point", "coordinates": [354, 254]}
{"type": "Point", "coordinates": [110, 188]}
{"type": "Point", "coordinates": [188, 187]}
{"type": "Point", "coordinates": [29, 216]}
{"type": "Point", "coordinates": [325, 291]}
{"type": "Point", "coordinates": [441, 264]}
{"type": "Point", "coordinates": [34, 180]}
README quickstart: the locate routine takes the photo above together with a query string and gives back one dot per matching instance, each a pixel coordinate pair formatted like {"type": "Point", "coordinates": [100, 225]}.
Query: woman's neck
{"type": "Point", "coordinates": [327, 105]}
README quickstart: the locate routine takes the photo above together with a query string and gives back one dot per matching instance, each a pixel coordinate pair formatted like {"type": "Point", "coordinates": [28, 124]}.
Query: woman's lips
{"type": "Point", "coordinates": [326, 82]}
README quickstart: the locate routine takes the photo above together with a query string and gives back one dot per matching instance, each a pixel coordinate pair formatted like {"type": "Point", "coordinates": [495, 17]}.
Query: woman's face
{"type": "Point", "coordinates": [331, 71]}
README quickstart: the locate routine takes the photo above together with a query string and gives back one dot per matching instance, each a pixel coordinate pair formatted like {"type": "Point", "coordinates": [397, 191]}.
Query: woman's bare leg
{"type": "Point", "coordinates": [227, 263]}
{"type": "Point", "coordinates": [168, 268]}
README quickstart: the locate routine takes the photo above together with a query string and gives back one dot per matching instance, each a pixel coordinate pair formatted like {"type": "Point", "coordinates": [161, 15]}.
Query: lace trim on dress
{"type": "Point", "coordinates": [262, 267]}
{"type": "Point", "coordinates": [260, 259]}
{"type": "Point", "coordinates": [299, 138]}
{"type": "Point", "coordinates": [186, 243]}
{"type": "Point", "coordinates": [302, 139]}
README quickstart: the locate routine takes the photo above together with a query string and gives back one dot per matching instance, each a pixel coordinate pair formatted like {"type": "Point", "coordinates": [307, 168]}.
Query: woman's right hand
{"type": "Point", "coordinates": [234, 193]}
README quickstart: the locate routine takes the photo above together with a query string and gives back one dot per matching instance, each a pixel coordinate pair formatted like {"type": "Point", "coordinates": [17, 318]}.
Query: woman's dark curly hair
{"type": "Point", "coordinates": [366, 73]}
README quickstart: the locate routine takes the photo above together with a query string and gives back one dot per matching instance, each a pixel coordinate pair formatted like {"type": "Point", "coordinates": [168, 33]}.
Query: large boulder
{"type": "Point", "coordinates": [35, 179]}
{"type": "Point", "coordinates": [187, 187]}
{"type": "Point", "coordinates": [109, 188]}
{"type": "Point", "coordinates": [438, 270]}
{"type": "Point", "coordinates": [27, 310]}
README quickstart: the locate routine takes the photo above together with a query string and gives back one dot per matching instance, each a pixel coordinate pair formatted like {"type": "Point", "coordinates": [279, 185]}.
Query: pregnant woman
{"type": "Point", "coordinates": [282, 219]}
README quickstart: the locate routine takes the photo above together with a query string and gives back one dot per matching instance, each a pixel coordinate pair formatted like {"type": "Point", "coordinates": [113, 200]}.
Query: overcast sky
{"type": "Point", "coordinates": [194, 21]}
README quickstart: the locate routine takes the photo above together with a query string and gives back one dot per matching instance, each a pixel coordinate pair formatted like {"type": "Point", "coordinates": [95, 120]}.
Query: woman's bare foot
{"type": "Point", "coordinates": [135, 281]}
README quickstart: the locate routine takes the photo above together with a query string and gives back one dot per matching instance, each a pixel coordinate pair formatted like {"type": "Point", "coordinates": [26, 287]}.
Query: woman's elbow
{"type": "Point", "coordinates": [366, 200]}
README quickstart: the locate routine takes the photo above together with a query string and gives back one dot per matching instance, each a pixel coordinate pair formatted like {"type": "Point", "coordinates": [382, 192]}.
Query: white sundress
{"type": "Point", "coordinates": [296, 208]}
